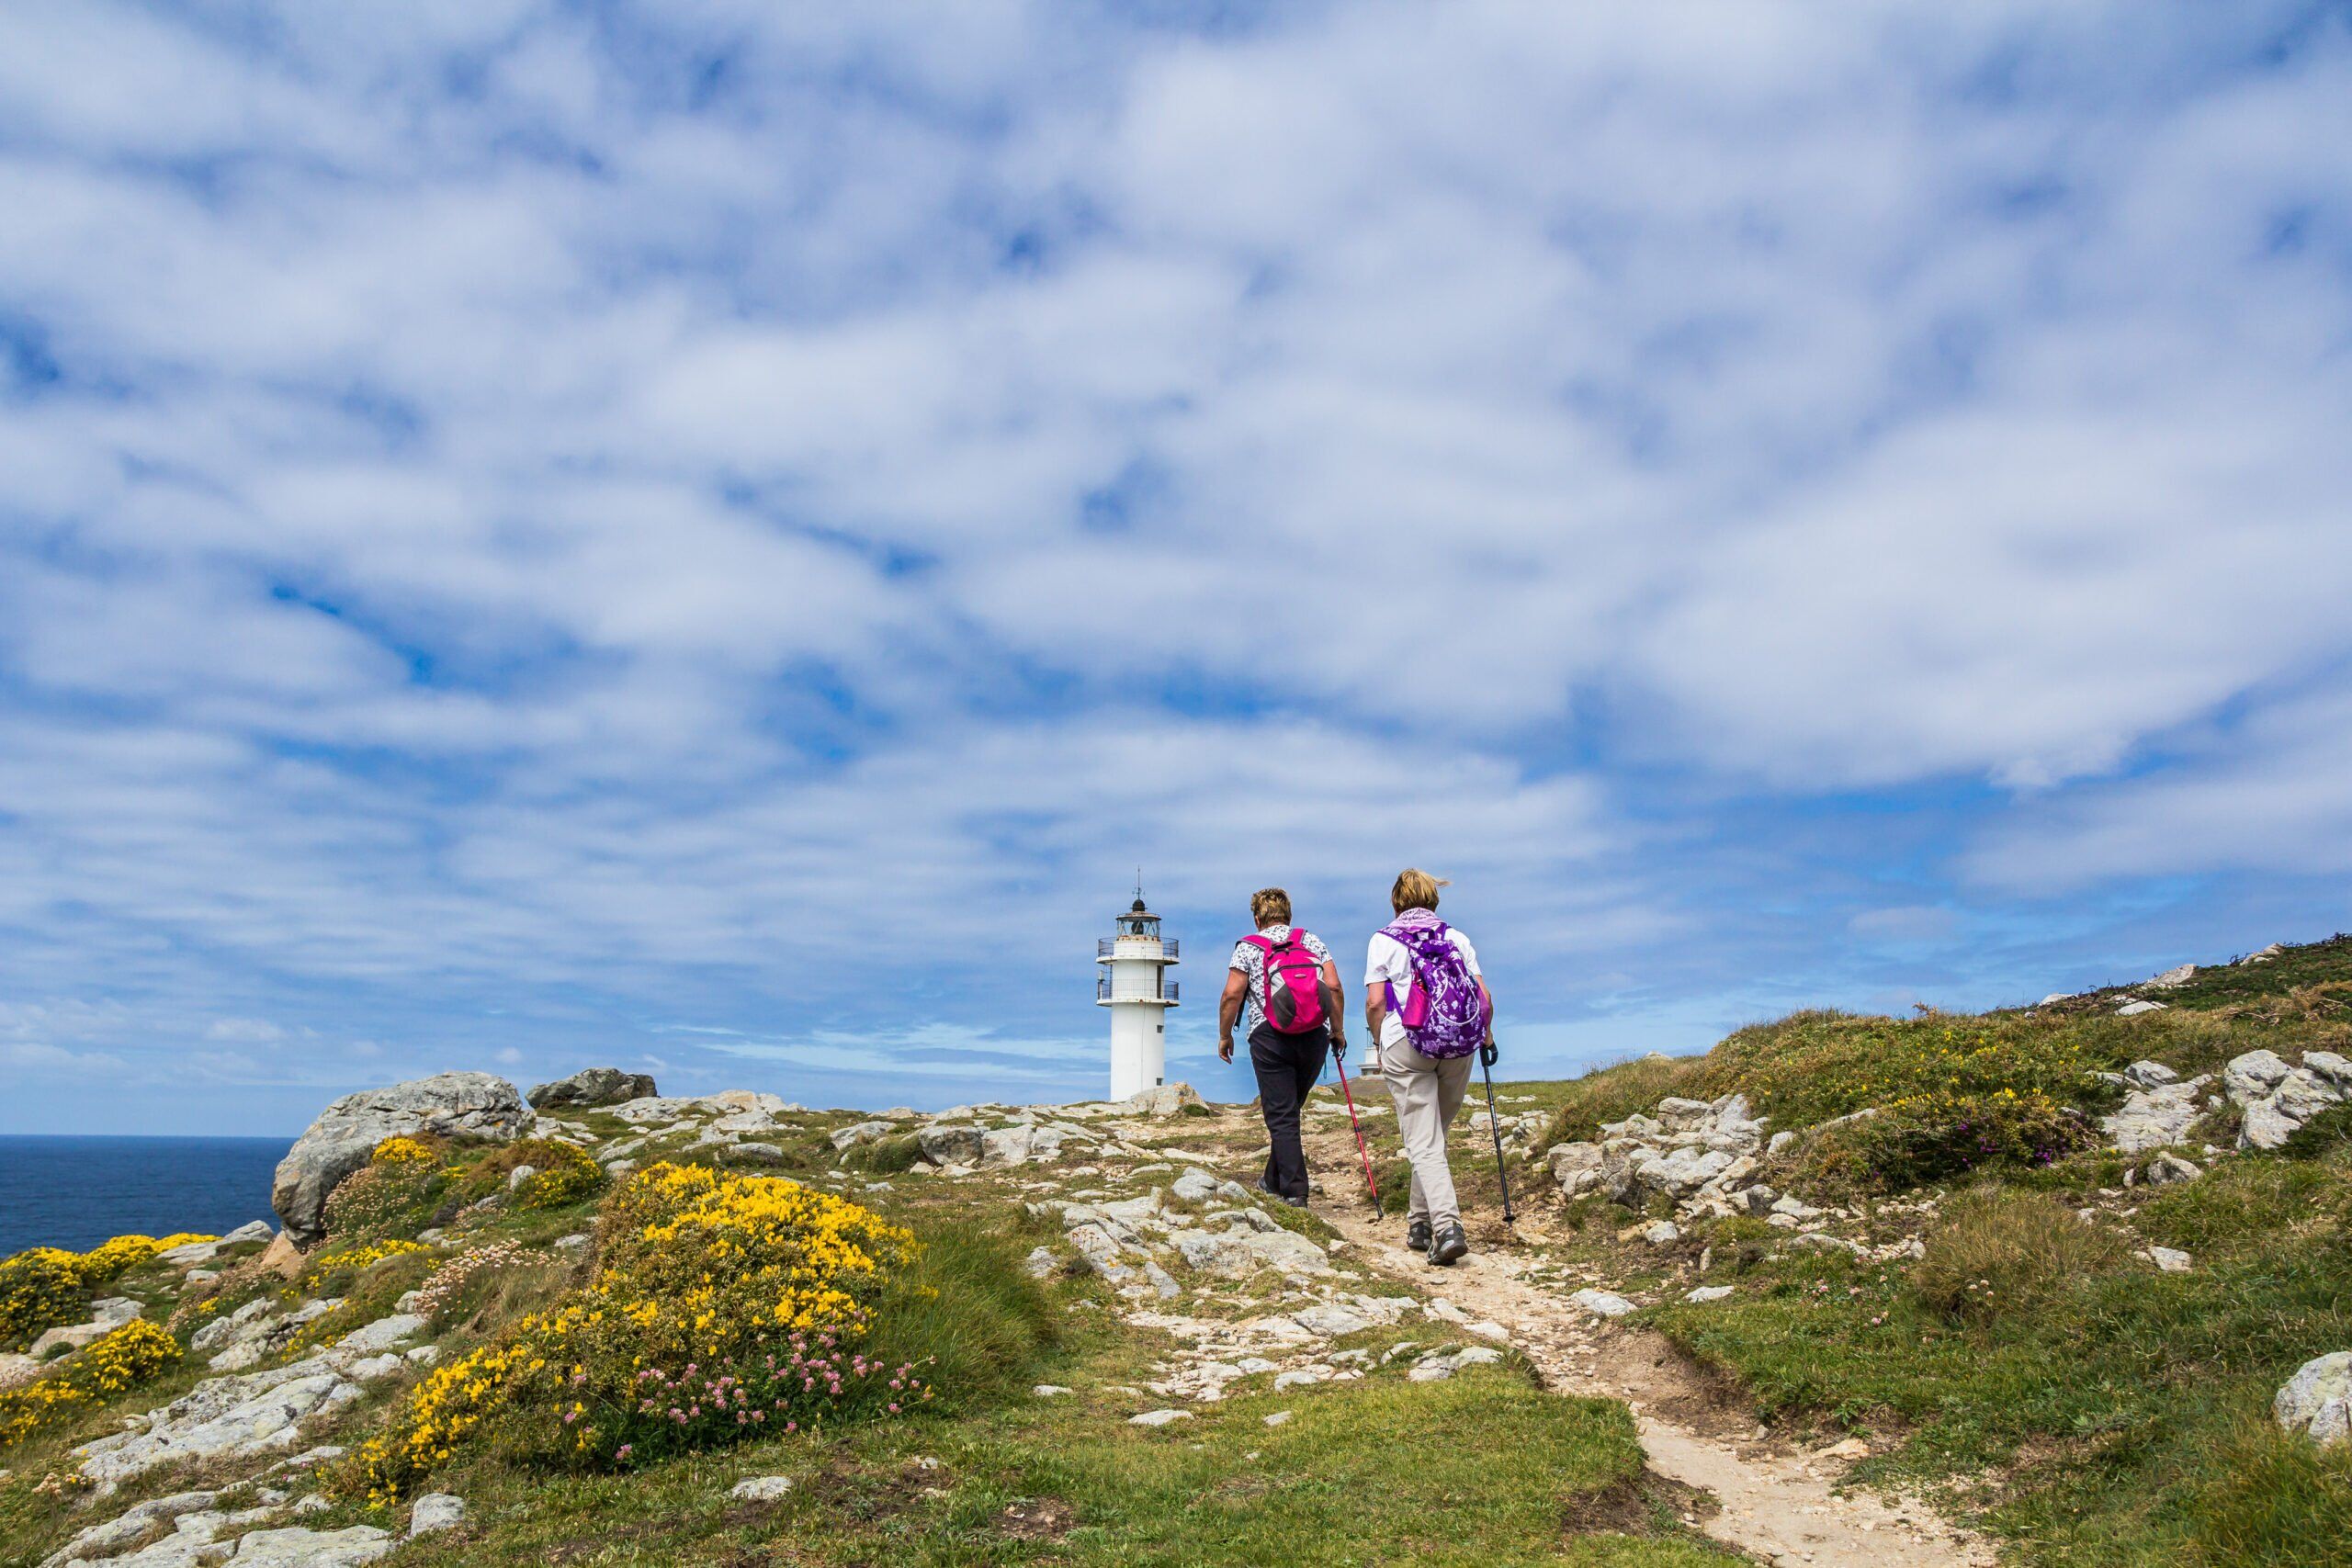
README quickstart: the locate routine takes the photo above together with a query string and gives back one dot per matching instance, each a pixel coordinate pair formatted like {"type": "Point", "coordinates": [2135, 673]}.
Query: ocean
{"type": "Point", "coordinates": [75, 1192]}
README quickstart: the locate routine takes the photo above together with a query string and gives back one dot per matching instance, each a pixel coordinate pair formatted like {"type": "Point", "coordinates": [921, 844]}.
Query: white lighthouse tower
{"type": "Point", "coordinates": [1133, 982]}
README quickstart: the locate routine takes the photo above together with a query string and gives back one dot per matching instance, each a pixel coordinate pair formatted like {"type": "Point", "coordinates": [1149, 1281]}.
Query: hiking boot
{"type": "Point", "coordinates": [1417, 1236]}
{"type": "Point", "coordinates": [1449, 1245]}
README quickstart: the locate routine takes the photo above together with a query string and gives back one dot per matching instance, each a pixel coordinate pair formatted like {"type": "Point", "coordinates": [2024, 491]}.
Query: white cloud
{"type": "Point", "coordinates": [737, 479]}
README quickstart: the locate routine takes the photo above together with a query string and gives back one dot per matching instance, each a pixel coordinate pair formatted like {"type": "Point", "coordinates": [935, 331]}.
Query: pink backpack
{"type": "Point", "coordinates": [1293, 999]}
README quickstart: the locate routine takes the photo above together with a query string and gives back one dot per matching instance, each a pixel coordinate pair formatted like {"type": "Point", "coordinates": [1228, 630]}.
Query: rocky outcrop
{"type": "Point", "coordinates": [1164, 1101]}
{"type": "Point", "coordinates": [455, 1105]}
{"type": "Point", "coordinates": [2274, 1099]}
{"type": "Point", "coordinates": [251, 1413]}
{"type": "Point", "coordinates": [2317, 1401]}
{"type": "Point", "coordinates": [2158, 1109]}
{"type": "Point", "coordinates": [591, 1086]}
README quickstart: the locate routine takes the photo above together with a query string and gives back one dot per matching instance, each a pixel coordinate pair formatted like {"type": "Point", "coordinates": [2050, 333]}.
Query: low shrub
{"type": "Point", "coordinates": [450, 1285]}
{"type": "Point", "coordinates": [358, 1255]}
{"type": "Point", "coordinates": [885, 1156]}
{"type": "Point", "coordinates": [45, 1286]}
{"type": "Point", "coordinates": [124, 1358]}
{"type": "Point", "coordinates": [567, 1174]}
{"type": "Point", "coordinates": [1612, 1094]}
{"type": "Point", "coordinates": [394, 1194]}
{"type": "Point", "coordinates": [1999, 1252]}
{"type": "Point", "coordinates": [723, 1305]}
{"type": "Point", "coordinates": [2328, 1130]}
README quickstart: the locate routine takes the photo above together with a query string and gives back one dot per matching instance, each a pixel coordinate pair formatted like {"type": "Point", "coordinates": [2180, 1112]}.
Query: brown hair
{"type": "Point", "coordinates": [1270, 907]}
{"type": "Point", "coordinates": [1415, 890]}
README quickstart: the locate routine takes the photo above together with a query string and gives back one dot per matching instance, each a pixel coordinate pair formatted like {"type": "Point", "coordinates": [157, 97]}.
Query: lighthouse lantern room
{"type": "Point", "coordinates": [1132, 981]}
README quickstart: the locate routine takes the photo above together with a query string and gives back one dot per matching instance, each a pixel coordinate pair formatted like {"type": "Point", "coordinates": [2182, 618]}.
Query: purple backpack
{"type": "Point", "coordinates": [1445, 1014]}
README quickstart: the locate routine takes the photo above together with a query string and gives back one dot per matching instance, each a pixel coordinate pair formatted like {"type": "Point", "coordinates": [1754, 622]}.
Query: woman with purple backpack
{"type": "Point", "coordinates": [1286, 978]}
{"type": "Point", "coordinates": [1430, 1014]}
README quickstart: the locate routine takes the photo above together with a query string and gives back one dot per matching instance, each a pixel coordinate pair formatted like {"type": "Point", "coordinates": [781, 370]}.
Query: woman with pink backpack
{"type": "Point", "coordinates": [1430, 1014]}
{"type": "Point", "coordinates": [1285, 977]}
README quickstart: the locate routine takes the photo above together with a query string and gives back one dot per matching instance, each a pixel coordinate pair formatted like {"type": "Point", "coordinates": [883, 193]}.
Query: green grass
{"type": "Point", "coordinates": [2126, 1408]}
{"type": "Point", "coordinates": [1481, 1470]}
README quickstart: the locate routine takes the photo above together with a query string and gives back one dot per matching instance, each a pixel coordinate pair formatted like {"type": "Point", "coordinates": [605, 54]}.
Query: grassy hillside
{"type": "Point", "coordinates": [2033, 1363]}
{"type": "Point", "coordinates": [548, 1291]}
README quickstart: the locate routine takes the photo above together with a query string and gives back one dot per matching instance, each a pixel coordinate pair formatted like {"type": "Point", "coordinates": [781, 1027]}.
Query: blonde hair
{"type": "Point", "coordinates": [1415, 890]}
{"type": "Point", "coordinates": [1270, 907]}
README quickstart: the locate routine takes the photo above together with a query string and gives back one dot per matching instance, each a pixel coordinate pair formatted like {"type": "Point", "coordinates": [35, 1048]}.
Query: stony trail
{"type": "Point", "coordinates": [1778, 1503]}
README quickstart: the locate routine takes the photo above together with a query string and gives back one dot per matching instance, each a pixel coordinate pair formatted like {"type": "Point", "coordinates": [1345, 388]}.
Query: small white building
{"type": "Point", "coordinates": [1133, 982]}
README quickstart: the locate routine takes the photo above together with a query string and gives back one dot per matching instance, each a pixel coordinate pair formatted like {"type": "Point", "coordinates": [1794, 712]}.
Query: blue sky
{"type": "Point", "coordinates": [717, 537]}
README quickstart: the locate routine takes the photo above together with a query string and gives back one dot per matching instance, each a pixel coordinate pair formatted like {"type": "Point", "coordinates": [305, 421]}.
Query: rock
{"type": "Point", "coordinates": [2254, 1075]}
{"type": "Point", "coordinates": [2330, 1067]}
{"type": "Point", "coordinates": [1005, 1146]}
{"type": "Point", "coordinates": [106, 1317]}
{"type": "Point", "coordinates": [519, 1176]}
{"type": "Point", "coordinates": [1603, 1303]}
{"type": "Point", "coordinates": [862, 1132]}
{"type": "Point", "coordinates": [439, 1510]}
{"type": "Point", "coordinates": [1680, 1172]}
{"type": "Point", "coordinates": [1289, 1251]}
{"type": "Point", "coordinates": [1709, 1293]}
{"type": "Point", "coordinates": [1331, 1320]}
{"type": "Point", "coordinates": [762, 1488]}
{"type": "Point", "coordinates": [2170, 1259]}
{"type": "Point", "coordinates": [2137, 1006]}
{"type": "Point", "coordinates": [104, 1540]}
{"type": "Point", "coordinates": [1278, 1418]}
{"type": "Point", "coordinates": [1851, 1448]}
{"type": "Point", "coordinates": [2151, 1118]}
{"type": "Point", "coordinates": [1194, 1187]}
{"type": "Point", "coordinates": [951, 1144]}
{"type": "Point", "coordinates": [2172, 979]}
{"type": "Point", "coordinates": [314, 1549]}
{"type": "Point", "coordinates": [1040, 1263]}
{"type": "Point", "coordinates": [591, 1086]}
{"type": "Point", "coordinates": [1167, 1099]}
{"type": "Point", "coordinates": [752, 1153]}
{"type": "Point", "coordinates": [1822, 1241]}
{"type": "Point", "coordinates": [2317, 1401]}
{"type": "Point", "coordinates": [2168, 1169]}
{"type": "Point", "coordinates": [1161, 1280]}
{"type": "Point", "coordinates": [254, 1413]}
{"type": "Point", "coordinates": [461, 1105]}
{"type": "Point", "coordinates": [2149, 1075]}
{"type": "Point", "coordinates": [1158, 1417]}
{"type": "Point", "coordinates": [1049, 1391]}
{"type": "Point", "coordinates": [1661, 1232]}
{"type": "Point", "coordinates": [2053, 997]}
{"type": "Point", "coordinates": [1780, 1142]}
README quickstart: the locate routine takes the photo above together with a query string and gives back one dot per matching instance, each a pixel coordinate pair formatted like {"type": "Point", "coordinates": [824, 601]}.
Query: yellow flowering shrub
{"type": "Point", "coordinates": [723, 1305]}
{"type": "Point", "coordinates": [402, 1151]}
{"type": "Point", "coordinates": [44, 1286]}
{"type": "Point", "coordinates": [566, 1174]}
{"type": "Point", "coordinates": [124, 1358]}
{"type": "Point", "coordinates": [362, 1255]}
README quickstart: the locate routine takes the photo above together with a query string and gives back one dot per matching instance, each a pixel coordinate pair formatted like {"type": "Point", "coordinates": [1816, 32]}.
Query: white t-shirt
{"type": "Point", "coordinates": [1389, 961]}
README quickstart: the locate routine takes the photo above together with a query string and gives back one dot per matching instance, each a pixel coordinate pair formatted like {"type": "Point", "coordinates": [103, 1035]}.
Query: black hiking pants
{"type": "Point", "coordinates": [1287, 1067]}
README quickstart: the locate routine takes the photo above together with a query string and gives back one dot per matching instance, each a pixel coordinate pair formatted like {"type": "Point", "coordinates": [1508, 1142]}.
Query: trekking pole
{"type": "Point", "coordinates": [1485, 1067]}
{"type": "Point", "coordinates": [1361, 1153]}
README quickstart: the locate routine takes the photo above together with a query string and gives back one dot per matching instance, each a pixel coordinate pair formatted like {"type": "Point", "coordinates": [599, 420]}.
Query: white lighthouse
{"type": "Point", "coordinates": [1133, 982]}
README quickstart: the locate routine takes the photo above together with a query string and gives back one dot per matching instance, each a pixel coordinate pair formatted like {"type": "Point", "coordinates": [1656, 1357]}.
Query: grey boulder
{"type": "Point", "coordinates": [591, 1086]}
{"type": "Point", "coordinates": [454, 1105]}
{"type": "Point", "coordinates": [2317, 1401]}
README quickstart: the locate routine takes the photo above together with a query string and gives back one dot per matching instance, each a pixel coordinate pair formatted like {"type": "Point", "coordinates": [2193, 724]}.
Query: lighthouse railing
{"type": "Point", "coordinates": [1108, 946]}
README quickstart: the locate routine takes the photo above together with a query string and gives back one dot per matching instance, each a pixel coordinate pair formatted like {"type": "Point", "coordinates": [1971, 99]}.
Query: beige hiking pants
{"type": "Point", "coordinates": [1427, 1092]}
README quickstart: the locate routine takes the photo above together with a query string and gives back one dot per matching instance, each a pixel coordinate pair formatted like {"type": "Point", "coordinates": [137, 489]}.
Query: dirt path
{"type": "Point", "coordinates": [1777, 1503]}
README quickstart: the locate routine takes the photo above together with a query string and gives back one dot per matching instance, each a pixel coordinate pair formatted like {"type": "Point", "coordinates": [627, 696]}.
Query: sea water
{"type": "Point", "coordinates": [75, 1192]}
